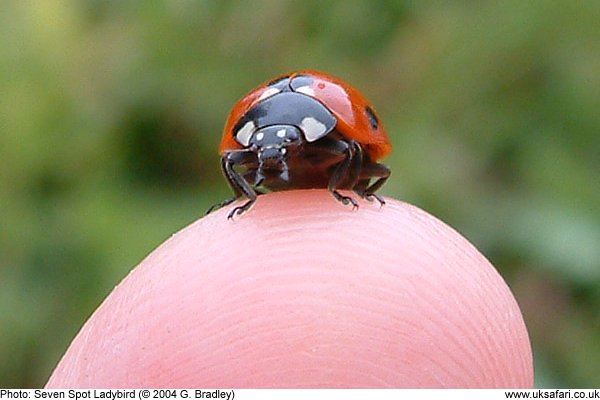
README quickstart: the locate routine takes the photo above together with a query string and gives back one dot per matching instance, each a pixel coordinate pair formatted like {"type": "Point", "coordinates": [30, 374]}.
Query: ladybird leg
{"type": "Point", "coordinates": [356, 165]}
{"type": "Point", "coordinates": [237, 158]}
{"type": "Point", "coordinates": [222, 204]}
{"type": "Point", "coordinates": [239, 185]}
{"type": "Point", "coordinates": [341, 171]}
{"type": "Point", "coordinates": [377, 197]}
{"type": "Point", "coordinates": [361, 187]}
{"type": "Point", "coordinates": [372, 170]}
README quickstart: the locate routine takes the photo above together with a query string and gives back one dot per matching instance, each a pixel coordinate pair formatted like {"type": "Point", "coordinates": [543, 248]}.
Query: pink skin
{"type": "Point", "coordinates": [303, 292]}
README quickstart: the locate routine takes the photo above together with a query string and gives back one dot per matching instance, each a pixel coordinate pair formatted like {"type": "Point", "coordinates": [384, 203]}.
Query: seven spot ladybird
{"type": "Point", "coordinates": [303, 130]}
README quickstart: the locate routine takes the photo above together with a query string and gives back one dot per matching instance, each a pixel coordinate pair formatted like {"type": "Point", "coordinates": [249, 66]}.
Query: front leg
{"type": "Point", "coordinates": [238, 183]}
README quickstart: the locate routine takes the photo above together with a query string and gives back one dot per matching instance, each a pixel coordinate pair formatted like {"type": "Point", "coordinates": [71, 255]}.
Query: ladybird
{"type": "Point", "coordinates": [303, 130]}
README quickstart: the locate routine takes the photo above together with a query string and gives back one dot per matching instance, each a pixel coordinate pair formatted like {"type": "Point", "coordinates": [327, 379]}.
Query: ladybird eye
{"type": "Point", "coordinates": [373, 120]}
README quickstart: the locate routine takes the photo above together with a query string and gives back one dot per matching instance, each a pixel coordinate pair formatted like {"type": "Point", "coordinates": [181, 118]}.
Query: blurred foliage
{"type": "Point", "coordinates": [111, 112]}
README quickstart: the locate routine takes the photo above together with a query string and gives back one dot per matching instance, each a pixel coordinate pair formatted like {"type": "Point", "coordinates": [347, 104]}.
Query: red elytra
{"type": "Point", "coordinates": [305, 129]}
{"type": "Point", "coordinates": [344, 101]}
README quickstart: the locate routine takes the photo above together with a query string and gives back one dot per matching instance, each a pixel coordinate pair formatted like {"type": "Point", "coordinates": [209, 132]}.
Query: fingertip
{"type": "Point", "coordinates": [302, 291]}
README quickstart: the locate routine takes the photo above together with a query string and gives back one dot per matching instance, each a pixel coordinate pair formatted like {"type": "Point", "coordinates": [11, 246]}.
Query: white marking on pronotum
{"type": "Point", "coordinates": [281, 133]}
{"type": "Point", "coordinates": [243, 135]}
{"type": "Point", "coordinates": [306, 90]}
{"type": "Point", "coordinates": [312, 129]}
{"type": "Point", "coordinates": [260, 136]}
{"type": "Point", "coordinates": [268, 93]}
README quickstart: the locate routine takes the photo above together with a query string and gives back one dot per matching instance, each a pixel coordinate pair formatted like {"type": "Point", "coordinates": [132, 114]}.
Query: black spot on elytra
{"type": "Point", "coordinates": [373, 120]}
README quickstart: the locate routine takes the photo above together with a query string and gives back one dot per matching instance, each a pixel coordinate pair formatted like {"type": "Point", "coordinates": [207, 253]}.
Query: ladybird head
{"type": "Point", "coordinates": [272, 145]}
{"type": "Point", "coordinates": [277, 125]}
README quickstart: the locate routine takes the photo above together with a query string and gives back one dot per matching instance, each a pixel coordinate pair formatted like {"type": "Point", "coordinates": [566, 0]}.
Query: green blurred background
{"type": "Point", "coordinates": [111, 113]}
